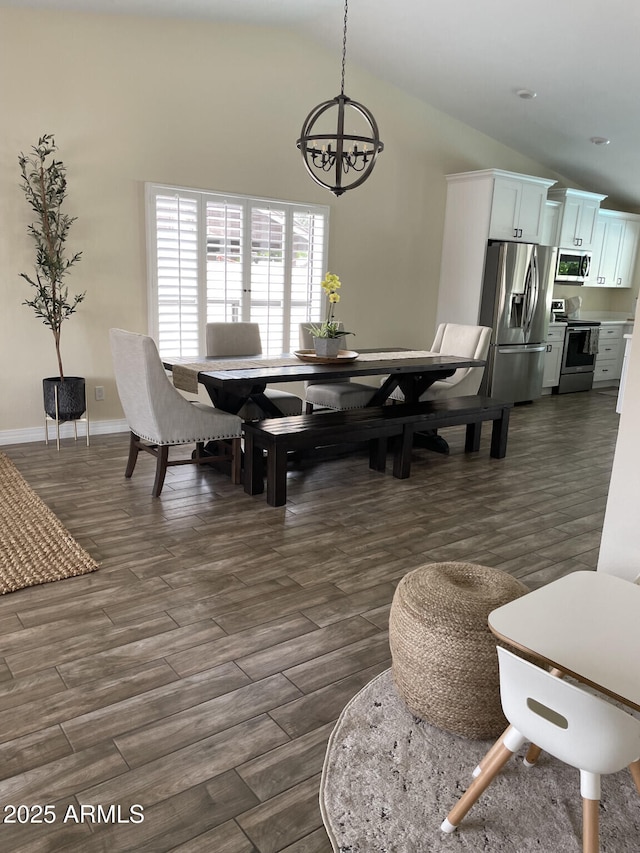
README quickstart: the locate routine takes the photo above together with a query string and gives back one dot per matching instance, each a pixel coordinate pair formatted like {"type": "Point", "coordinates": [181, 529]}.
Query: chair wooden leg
{"type": "Point", "coordinates": [489, 755]}
{"type": "Point", "coordinates": [236, 461]}
{"type": "Point", "coordinates": [635, 774]}
{"type": "Point", "coordinates": [161, 470]}
{"type": "Point", "coordinates": [501, 754]}
{"type": "Point", "coordinates": [533, 754]}
{"type": "Point", "coordinates": [133, 455]}
{"type": "Point", "coordinates": [308, 408]}
{"type": "Point", "coordinates": [590, 828]}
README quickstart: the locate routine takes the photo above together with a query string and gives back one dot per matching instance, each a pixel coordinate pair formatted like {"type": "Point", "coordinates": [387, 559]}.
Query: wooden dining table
{"type": "Point", "coordinates": [232, 382]}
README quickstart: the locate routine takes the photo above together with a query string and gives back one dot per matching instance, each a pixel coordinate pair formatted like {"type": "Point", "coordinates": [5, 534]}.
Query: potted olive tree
{"type": "Point", "coordinates": [44, 184]}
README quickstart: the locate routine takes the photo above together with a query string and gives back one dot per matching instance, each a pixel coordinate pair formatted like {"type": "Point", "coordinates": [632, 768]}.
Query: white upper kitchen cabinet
{"type": "Point", "coordinates": [615, 249]}
{"type": "Point", "coordinates": [552, 212]}
{"type": "Point", "coordinates": [518, 207]}
{"type": "Point", "coordinates": [606, 249]}
{"type": "Point", "coordinates": [483, 205]}
{"type": "Point", "coordinates": [628, 252]}
{"type": "Point", "coordinates": [578, 218]}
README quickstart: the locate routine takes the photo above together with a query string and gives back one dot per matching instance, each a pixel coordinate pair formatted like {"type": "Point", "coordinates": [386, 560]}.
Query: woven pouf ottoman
{"type": "Point", "coordinates": [444, 660]}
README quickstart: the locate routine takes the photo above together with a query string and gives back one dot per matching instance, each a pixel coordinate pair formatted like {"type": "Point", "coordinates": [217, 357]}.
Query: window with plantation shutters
{"type": "Point", "coordinates": [227, 258]}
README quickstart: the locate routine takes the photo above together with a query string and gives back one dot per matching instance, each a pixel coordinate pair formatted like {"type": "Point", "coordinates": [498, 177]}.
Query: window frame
{"type": "Point", "coordinates": [248, 203]}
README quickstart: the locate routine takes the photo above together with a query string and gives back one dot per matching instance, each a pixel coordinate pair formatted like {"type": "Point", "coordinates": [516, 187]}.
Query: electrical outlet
{"type": "Point", "coordinates": [99, 392]}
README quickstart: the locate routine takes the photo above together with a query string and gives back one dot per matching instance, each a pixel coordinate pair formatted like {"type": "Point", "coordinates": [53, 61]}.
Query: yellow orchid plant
{"type": "Point", "coordinates": [330, 328]}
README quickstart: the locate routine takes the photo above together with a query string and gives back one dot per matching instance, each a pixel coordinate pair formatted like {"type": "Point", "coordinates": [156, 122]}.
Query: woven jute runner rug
{"type": "Point", "coordinates": [389, 780]}
{"type": "Point", "coordinates": [35, 547]}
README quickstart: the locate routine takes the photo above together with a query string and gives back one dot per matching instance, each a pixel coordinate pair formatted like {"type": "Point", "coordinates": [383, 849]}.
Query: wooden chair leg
{"type": "Point", "coordinates": [500, 754]}
{"type": "Point", "coordinates": [308, 408]}
{"type": "Point", "coordinates": [133, 455]}
{"type": "Point", "coordinates": [236, 461]}
{"type": "Point", "coordinates": [489, 755]}
{"type": "Point", "coordinates": [161, 469]}
{"type": "Point", "coordinates": [590, 827]}
{"type": "Point", "coordinates": [533, 754]}
{"type": "Point", "coordinates": [635, 774]}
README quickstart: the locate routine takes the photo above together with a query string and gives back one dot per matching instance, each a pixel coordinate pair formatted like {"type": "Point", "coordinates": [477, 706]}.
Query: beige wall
{"type": "Point", "coordinates": [207, 106]}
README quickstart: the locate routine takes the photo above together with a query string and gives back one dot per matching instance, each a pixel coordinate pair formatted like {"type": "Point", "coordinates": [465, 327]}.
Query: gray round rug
{"type": "Point", "coordinates": [389, 780]}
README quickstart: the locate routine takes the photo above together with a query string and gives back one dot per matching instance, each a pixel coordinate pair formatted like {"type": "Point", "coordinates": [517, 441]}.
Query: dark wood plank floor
{"type": "Point", "coordinates": [200, 670]}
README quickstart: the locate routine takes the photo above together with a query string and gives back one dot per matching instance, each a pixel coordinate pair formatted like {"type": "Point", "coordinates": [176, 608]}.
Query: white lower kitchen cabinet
{"type": "Point", "coordinates": [553, 356]}
{"type": "Point", "coordinates": [608, 366]}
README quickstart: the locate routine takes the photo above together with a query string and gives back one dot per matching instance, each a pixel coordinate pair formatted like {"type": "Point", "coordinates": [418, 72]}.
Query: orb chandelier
{"type": "Point", "coordinates": [340, 153]}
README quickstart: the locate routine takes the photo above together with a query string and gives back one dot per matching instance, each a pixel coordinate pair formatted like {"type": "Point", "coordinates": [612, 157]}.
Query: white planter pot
{"type": "Point", "coordinates": [327, 347]}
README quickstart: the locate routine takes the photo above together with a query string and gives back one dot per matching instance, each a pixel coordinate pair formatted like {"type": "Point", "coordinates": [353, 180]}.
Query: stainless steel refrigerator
{"type": "Point", "coordinates": [516, 303]}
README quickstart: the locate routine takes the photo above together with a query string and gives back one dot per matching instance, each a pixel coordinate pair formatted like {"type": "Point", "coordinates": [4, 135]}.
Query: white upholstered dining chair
{"type": "Point", "coordinates": [159, 417]}
{"type": "Point", "coordinates": [243, 339]}
{"type": "Point", "coordinates": [465, 342]}
{"type": "Point", "coordinates": [339, 394]}
{"type": "Point", "coordinates": [565, 720]}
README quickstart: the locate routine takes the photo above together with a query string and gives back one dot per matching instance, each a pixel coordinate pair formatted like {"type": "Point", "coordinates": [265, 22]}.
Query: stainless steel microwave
{"type": "Point", "coordinates": [572, 266]}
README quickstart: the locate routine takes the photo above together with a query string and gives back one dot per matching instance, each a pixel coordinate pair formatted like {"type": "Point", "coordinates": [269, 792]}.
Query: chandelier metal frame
{"type": "Point", "coordinates": [338, 153]}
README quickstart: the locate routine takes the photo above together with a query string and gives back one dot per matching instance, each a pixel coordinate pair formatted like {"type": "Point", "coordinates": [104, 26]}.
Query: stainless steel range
{"type": "Point", "coordinates": [579, 352]}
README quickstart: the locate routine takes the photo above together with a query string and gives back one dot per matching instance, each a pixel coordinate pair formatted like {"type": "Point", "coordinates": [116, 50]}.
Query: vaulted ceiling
{"type": "Point", "coordinates": [469, 58]}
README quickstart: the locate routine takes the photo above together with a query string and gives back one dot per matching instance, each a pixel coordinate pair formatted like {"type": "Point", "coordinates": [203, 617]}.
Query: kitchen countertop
{"type": "Point", "coordinates": [617, 318]}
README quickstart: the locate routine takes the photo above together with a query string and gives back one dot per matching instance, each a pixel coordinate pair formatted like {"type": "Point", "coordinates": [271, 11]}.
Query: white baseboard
{"type": "Point", "coordinates": [30, 434]}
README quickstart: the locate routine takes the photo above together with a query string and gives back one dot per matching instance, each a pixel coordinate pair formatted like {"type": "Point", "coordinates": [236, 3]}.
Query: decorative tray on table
{"type": "Point", "coordinates": [310, 355]}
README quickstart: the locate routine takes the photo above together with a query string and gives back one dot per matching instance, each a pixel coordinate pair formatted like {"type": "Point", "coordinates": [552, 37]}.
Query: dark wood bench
{"type": "Point", "coordinates": [278, 436]}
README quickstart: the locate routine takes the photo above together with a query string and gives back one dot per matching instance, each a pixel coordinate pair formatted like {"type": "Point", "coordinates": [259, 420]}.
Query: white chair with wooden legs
{"type": "Point", "coordinates": [463, 341]}
{"type": "Point", "coordinates": [159, 417]}
{"type": "Point", "coordinates": [338, 394]}
{"type": "Point", "coordinates": [243, 339]}
{"type": "Point", "coordinates": [563, 719]}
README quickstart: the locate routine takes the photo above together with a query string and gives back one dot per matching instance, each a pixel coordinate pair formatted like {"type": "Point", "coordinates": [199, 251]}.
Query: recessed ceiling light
{"type": "Point", "coordinates": [526, 94]}
{"type": "Point", "coordinates": [600, 140]}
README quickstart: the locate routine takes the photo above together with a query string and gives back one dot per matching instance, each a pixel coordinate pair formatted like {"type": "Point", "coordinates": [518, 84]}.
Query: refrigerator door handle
{"type": "Point", "coordinates": [531, 293]}
{"type": "Point", "coordinates": [524, 348]}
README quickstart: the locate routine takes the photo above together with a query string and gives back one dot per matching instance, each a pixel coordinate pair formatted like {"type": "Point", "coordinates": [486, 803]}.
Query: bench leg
{"type": "Point", "coordinates": [472, 440]}
{"type": "Point", "coordinates": [402, 453]}
{"type": "Point", "coordinates": [253, 467]}
{"type": "Point", "coordinates": [277, 476]}
{"type": "Point", "coordinates": [499, 435]}
{"type": "Point", "coordinates": [378, 454]}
